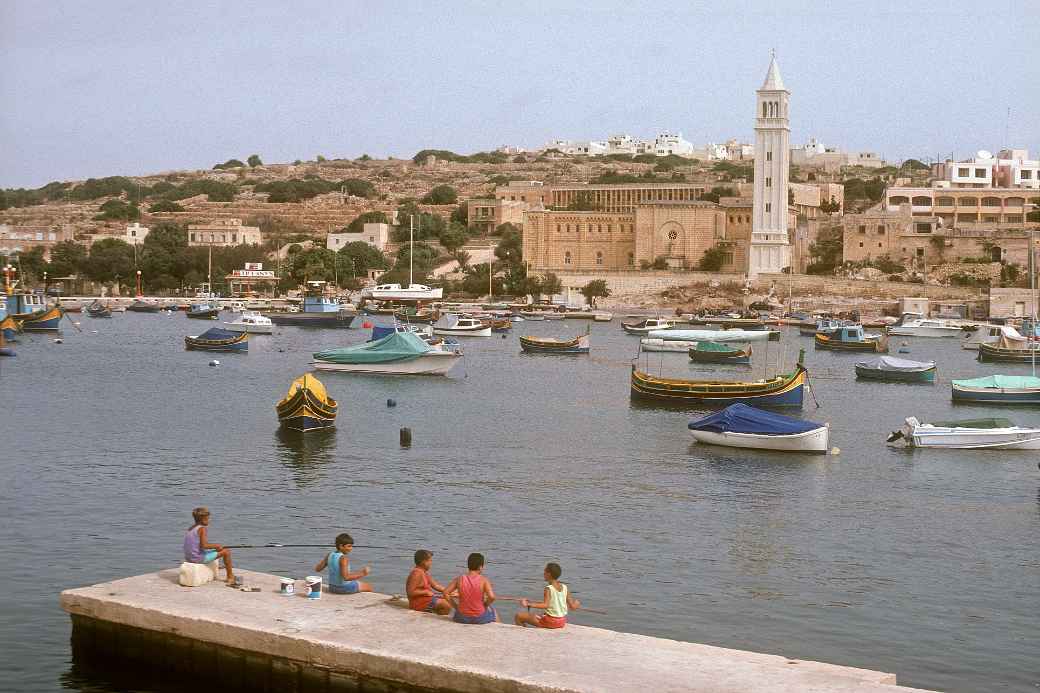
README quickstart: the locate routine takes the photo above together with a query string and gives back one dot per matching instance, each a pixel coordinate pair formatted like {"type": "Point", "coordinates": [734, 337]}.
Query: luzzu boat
{"type": "Point", "coordinates": [9, 328]}
{"type": "Point", "coordinates": [851, 338]}
{"type": "Point", "coordinates": [542, 345]}
{"type": "Point", "coordinates": [741, 426]}
{"type": "Point", "coordinates": [307, 407]}
{"type": "Point", "coordinates": [32, 312]}
{"type": "Point", "coordinates": [780, 391]}
{"type": "Point", "coordinates": [1009, 350]}
{"type": "Point", "coordinates": [216, 339]}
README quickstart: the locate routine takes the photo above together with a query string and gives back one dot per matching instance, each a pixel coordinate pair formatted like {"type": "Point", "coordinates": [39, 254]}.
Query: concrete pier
{"type": "Point", "coordinates": [366, 642]}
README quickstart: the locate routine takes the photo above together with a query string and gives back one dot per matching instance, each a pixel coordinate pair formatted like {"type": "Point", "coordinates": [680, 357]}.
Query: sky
{"type": "Point", "coordinates": [99, 88]}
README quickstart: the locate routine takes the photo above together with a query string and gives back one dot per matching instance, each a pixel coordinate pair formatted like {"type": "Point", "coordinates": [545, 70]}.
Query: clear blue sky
{"type": "Point", "coordinates": [104, 88]}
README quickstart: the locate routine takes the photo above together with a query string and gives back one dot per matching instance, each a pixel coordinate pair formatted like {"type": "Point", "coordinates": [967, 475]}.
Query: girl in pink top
{"type": "Point", "coordinates": [472, 595]}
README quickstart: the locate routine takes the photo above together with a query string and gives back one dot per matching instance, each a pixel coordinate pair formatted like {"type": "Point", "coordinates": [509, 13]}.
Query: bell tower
{"type": "Point", "coordinates": [770, 250]}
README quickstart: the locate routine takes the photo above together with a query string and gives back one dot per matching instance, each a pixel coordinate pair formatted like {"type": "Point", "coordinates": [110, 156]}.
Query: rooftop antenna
{"type": "Point", "coordinates": [1007, 124]}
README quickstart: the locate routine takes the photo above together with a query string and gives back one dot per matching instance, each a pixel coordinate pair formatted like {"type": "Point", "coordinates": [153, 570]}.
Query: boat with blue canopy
{"type": "Point", "coordinates": [399, 353]}
{"type": "Point", "coordinates": [998, 389]}
{"type": "Point", "coordinates": [203, 311]}
{"type": "Point", "coordinates": [217, 339]}
{"type": "Point", "coordinates": [894, 370]}
{"type": "Point", "coordinates": [742, 426]}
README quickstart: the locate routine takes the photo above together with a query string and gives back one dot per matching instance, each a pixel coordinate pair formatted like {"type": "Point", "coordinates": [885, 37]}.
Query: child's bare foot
{"type": "Point", "coordinates": [230, 580]}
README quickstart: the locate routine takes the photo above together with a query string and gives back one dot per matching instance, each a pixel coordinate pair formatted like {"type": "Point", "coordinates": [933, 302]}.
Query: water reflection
{"type": "Point", "coordinates": [305, 453]}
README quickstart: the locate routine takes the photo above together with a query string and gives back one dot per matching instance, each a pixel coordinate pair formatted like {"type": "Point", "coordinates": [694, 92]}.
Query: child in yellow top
{"type": "Point", "coordinates": [556, 600]}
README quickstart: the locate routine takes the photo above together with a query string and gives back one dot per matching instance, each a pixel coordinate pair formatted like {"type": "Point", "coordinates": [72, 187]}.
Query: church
{"type": "Point", "coordinates": [665, 225]}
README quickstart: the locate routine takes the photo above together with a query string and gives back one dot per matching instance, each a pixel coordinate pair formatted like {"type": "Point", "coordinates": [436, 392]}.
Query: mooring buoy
{"type": "Point", "coordinates": [214, 362]}
{"type": "Point", "coordinates": [390, 403]}
{"type": "Point", "coordinates": [406, 437]}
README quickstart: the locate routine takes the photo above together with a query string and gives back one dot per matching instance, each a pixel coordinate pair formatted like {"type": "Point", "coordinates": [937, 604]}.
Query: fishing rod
{"type": "Point", "coordinates": [297, 546]}
{"type": "Point", "coordinates": [520, 599]}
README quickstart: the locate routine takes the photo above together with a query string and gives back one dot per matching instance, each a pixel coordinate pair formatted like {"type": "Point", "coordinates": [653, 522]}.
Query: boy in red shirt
{"type": "Point", "coordinates": [420, 587]}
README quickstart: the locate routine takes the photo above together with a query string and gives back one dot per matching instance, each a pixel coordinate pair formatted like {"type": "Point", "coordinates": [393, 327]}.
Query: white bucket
{"type": "Point", "coordinates": [314, 587]}
{"type": "Point", "coordinates": [288, 587]}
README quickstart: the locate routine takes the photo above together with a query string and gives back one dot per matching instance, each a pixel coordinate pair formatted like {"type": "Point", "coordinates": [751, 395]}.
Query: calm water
{"type": "Point", "coordinates": [923, 563]}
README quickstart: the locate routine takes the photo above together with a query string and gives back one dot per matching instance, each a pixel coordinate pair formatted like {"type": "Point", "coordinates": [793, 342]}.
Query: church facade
{"type": "Point", "coordinates": [636, 227]}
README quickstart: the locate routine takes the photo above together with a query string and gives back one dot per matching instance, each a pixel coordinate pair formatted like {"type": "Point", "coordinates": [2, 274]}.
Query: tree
{"type": "Point", "coordinates": [164, 253]}
{"type": "Point", "coordinates": [826, 252]}
{"type": "Point", "coordinates": [476, 281]}
{"type": "Point", "coordinates": [118, 210]}
{"type": "Point", "coordinates": [717, 192]}
{"type": "Point", "coordinates": [459, 215]}
{"type": "Point", "coordinates": [110, 260]}
{"type": "Point", "coordinates": [510, 247]}
{"type": "Point", "coordinates": [67, 259]}
{"type": "Point", "coordinates": [914, 165]}
{"type": "Point", "coordinates": [230, 163]}
{"type": "Point", "coordinates": [830, 207]}
{"type": "Point", "coordinates": [551, 285]}
{"type": "Point", "coordinates": [356, 258]}
{"type": "Point", "coordinates": [426, 225]}
{"type": "Point", "coordinates": [358, 225]}
{"type": "Point", "coordinates": [463, 258]}
{"type": "Point", "coordinates": [31, 264]}
{"type": "Point", "coordinates": [254, 161]}
{"type": "Point", "coordinates": [597, 288]}
{"type": "Point", "coordinates": [165, 206]}
{"type": "Point", "coordinates": [712, 260]}
{"type": "Point", "coordinates": [454, 237]}
{"type": "Point", "coordinates": [441, 195]}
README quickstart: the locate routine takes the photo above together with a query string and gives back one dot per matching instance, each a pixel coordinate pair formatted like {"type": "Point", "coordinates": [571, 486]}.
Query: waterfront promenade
{"type": "Point", "coordinates": [266, 641]}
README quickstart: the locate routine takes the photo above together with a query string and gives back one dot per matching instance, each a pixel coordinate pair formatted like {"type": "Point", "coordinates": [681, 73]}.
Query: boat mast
{"type": "Point", "coordinates": [411, 245]}
{"type": "Point", "coordinates": [1032, 296]}
{"type": "Point", "coordinates": [491, 271]}
{"type": "Point", "coordinates": [209, 272]}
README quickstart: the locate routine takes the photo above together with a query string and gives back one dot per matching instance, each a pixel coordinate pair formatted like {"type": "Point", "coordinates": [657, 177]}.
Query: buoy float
{"type": "Point", "coordinates": [366, 325]}
{"type": "Point", "coordinates": [835, 450]}
{"type": "Point", "coordinates": [214, 362]}
{"type": "Point", "coordinates": [406, 437]}
{"type": "Point", "coordinates": [391, 403]}
{"type": "Point", "coordinates": [59, 341]}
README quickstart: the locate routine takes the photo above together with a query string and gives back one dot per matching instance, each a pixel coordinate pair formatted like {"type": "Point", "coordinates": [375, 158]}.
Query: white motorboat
{"type": "Point", "coordinates": [991, 334]}
{"type": "Point", "coordinates": [251, 322]}
{"type": "Point", "coordinates": [741, 426]}
{"type": "Point", "coordinates": [971, 434]}
{"type": "Point", "coordinates": [532, 315]}
{"type": "Point", "coordinates": [400, 353]}
{"type": "Point", "coordinates": [914, 325]}
{"type": "Point", "coordinates": [680, 346]}
{"type": "Point", "coordinates": [647, 325]}
{"type": "Point", "coordinates": [396, 292]}
{"type": "Point", "coordinates": [554, 316]}
{"type": "Point", "coordinates": [452, 325]}
{"type": "Point", "coordinates": [711, 335]}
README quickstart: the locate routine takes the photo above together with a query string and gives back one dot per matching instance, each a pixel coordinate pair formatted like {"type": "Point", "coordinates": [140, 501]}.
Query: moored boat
{"type": "Point", "coordinates": [202, 311]}
{"type": "Point", "coordinates": [780, 391]}
{"type": "Point", "coordinates": [891, 369]}
{"type": "Point", "coordinates": [647, 325]}
{"type": "Point", "coordinates": [822, 326]}
{"type": "Point", "coordinates": [969, 434]}
{"type": "Point", "coordinates": [217, 339]}
{"type": "Point", "coordinates": [250, 322]}
{"type": "Point", "coordinates": [307, 406]}
{"type": "Point", "coordinates": [317, 310]}
{"type": "Point", "coordinates": [98, 310]}
{"type": "Point", "coordinates": [741, 426]}
{"type": "Point", "coordinates": [990, 334]}
{"type": "Point", "coordinates": [396, 292]}
{"type": "Point", "coordinates": [9, 328]}
{"type": "Point", "coordinates": [681, 346]}
{"type": "Point", "coordinates": [400, 353]}
{"type": "Point", "coordinates": [712, 335]}
{"type": "Point", "coordinates": [453, 325]}
{"type": "Point", "coordinates": [141, 306]}
{"type": "Point", "coordinates": [45, 321]}
{"type": "Point", "coordinates": [915, 325]}
{"type": "Point", "coordinates": [851, 338]}
{"type": "Point", "coordinates": [542, 345]}
{"type": "Point", "coordinates": [1006, 350]}
{"type": "Point", "coordinates": [998, 389]}
{"type": "Point", "coordinates": [716, 352]}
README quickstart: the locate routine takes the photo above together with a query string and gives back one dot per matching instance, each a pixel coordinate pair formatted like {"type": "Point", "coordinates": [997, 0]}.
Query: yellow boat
{"type": "Point", "coordinates": [307, 407]}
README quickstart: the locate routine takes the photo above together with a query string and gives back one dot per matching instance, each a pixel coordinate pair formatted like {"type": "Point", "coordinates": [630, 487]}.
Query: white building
{"type": "Point", "coordinates": [135, 233]}
{"type": "Point", "coordinates": [223, 232]}
{"type": "Point", "coordinates": [1010, 168]}
{"type": "Point", "coordinates": [376, 235]}
{"type": "Point", "coordinates": [770, 248]}
{"type": "Point", "coordinates": [672, 143]}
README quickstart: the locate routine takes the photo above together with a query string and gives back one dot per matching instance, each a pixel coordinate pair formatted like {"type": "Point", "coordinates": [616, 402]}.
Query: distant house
{"type": "Point", "coordinates": [20, 239]}
{"type": "Point", "coordinates": [223, 232]}
{"type": "Point", "coordinates": [376, 235]}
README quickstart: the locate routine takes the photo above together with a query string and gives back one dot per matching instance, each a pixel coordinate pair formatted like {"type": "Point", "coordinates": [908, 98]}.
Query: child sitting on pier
{"type": "Point", "coordinates": [472, 595]}
{"type": "Point", "coordinates": [198, 550]}
{"type": "Point", "coordinates": [555, 601]}
{"type": "Point", "coordinates": [341, 580]}
{"type": "Point", "coordinates": [420, 587]}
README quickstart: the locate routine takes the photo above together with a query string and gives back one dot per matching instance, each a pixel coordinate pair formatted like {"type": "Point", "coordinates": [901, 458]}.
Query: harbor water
{"type": "Point", "coordinates": [923, 563]}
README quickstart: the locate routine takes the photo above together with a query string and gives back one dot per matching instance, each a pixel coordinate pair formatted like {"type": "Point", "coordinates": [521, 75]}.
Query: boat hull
{"type": "Point", "coordinates": [668, 345]}
{"type": "Point", "coordinates": [993, 439]}
{"type": "Point", "coordinates": [455, 332]}
{"type": "Point", "coordinates": [992, 395]}
{"type": "Point", "coordinates": [542, 346]}
{"type": "Point", "coordinates": [44, 321]}
{"type": "Point", "coordinates": [785, 391]}
{"type": "Point", "coordinates": [208, 314]}
{"type": "Point", "coordinates": [737, 357]}
{"type": "Point", "coordinates": [816, 440]}
{"type": "Point", "coordinates": [435, 363]}
{"type": "Point", "coordinates": [306, 411]}
{"type": "Point", "coordinates": [989, 353]}
{"type": "Point", "coordinates": [925, 331]}
{"type": "Point", "coordinates": [311, 319]}
{"type": "Point", "coordinates": [877, 346]}
{"type": "Point", "coordinates": [927, 376]}
{"type": "Point", "coordinates": [238, 345]}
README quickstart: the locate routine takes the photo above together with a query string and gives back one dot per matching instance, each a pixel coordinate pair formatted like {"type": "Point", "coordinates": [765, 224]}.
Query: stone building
{"type": "Point", "coordinates": [223, 232]}
{"type": "Point", "coordinates": [374, 234]}
{"type": "Point", "coordinates": [19, 239]}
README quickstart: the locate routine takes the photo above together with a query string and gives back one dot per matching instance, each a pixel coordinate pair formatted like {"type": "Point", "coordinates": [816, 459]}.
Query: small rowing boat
{"type": "Point", "coordinates": [970, 434]}
{"type": "Point", "coordinates": [714, 352]}
{"type": "Point", "coordinates": [893, 370]}
{"type": "Point", "coordinates": [741, 426]}
{"type": "Point", "coordinates": [216, 339]}
{"type": "Point", "coordinates": [542, 345]}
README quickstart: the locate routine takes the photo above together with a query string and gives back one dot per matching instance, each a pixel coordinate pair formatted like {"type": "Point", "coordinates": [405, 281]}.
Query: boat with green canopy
{"type": "Point", "coordinates": [998, 389]}
{"type": "Point", "coordinates": [400, 353]}
{"type": "Point", "coordinates": [716, 352]}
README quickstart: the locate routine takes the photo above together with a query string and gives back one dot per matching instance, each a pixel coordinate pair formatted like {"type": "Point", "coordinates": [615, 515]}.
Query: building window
{"type": "Point", "coordinates": [567, 258]}
{"type": "Point", "coordinates": [631, 260]}
{"type": "Point", "coordinates": [769, 182]}
{"type": "Point", "coordinates": [192, 238]}
{"type": "Point", "coordinates": [879, 245]}
{"type": "Point", "coordinates": [234, 238]}
{"type": "Point", "coordinates": [920, 252]}
{"type": "Point", "coordinates": [980, 173]}
{"type": "Point", "coordinates": [769, 207]}
{"type": "Point", "coordinates": [923, 228]}
{"type": "Point", "coordinates": [860, 245]}
{"type": "Point", "coordinates": [881, 229]}
{"type": "Point", "coordinates": [599, 258]}
{"type": "Point", "coordinates": [862, 228]}
{"type": "Point", "coordinates": [558, 230]}
{"type": "Point", "coordinates": [1026, 174]}
{"type": "Point", "coordinates": [963, 172]}
{"type": "Point", "coordinates": [769, 156]}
